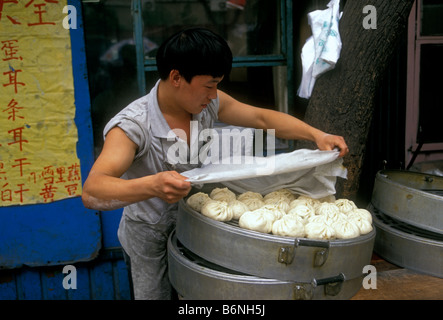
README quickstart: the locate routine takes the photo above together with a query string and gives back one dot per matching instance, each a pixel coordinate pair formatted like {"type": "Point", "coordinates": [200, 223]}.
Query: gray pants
{"type": "Point", "coordinates": [146, 248]}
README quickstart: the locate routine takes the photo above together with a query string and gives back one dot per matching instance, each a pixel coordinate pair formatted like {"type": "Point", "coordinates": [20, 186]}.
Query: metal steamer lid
{"type": "Point", "coordinates": [270, 256]}
{"type": "Point", "coordinates": [196, 278]}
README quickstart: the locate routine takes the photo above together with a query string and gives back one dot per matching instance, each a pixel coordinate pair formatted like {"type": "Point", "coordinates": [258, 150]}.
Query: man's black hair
{"type": "Point", "coordinates": [193, 52]}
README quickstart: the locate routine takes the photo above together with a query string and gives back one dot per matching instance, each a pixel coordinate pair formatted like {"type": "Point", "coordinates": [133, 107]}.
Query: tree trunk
{"type": "Point", "coordinates": [342, 101]}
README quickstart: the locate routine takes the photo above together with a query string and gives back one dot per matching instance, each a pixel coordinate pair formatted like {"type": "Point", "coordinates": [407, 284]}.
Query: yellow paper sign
{"type": "Point", "coordinates": [38, 135]}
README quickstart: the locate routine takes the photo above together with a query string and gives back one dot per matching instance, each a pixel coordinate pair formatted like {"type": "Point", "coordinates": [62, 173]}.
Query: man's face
{"type": "Point", "coordinates": [196, 95]}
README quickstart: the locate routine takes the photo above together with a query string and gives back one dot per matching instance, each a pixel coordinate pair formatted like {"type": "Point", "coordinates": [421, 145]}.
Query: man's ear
{"type": "Point", "coordinates": [175, 78]}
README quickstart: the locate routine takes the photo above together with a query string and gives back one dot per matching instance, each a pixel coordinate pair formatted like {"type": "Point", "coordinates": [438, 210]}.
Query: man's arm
{"type": "Point", "coordinates": [286, 126]}
{"type": "Point", "coordinates": [105, 190]}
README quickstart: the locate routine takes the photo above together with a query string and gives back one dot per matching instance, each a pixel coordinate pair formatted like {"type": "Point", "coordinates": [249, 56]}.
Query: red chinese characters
{"type": "Point", "coordinates": [10, 50]}
{"type": "Point", "coordinates": [14, 113]}
{"type": "Point", "coordinates": [25, 178]}
{"type": "Point", "coordinates": [39, 7]}
{"type": "Point", "coordinates": [39, 12]}
{"type": "Point", "coordinates": [13, 79]}
{"type": "Point", "coordinates": [51, 176]}
{"type": "Point", "coordinates": [2, 4]}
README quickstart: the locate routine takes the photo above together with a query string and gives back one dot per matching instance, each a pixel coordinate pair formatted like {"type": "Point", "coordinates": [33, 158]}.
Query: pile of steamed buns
{"type": "Point", "coordinates": [283, 213]}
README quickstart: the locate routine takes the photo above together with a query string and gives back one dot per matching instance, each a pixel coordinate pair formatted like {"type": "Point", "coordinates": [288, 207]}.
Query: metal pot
{"type": "Point", "coordinates": [196, 278]}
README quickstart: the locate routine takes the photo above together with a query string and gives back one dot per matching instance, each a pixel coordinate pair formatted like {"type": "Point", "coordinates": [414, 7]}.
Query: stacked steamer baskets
{"type": "Point", "coordinates": [211, 259]}
{"type": "Point", "coordinates": [407, 209]}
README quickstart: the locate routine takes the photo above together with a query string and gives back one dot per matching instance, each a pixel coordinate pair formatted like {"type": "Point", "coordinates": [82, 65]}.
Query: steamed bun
{"type": "Point", "coordinates": [289, 225]}
{"type": "Point", "coordinates": [238, 208]}
{"type": "Point", "coordinates": [345, 229]}
{"type": "Point", "coordinates": [282, 194]}
{"type": "Point", "coordinates": [362, 221]}
{"type": "Point", "coordinates": [249, 195]}
{"type": "Point", "coordinates": [280, 203]}
{"type": "Point", "coordinates": [256, 221]}
{"type": "Point", "coordinates": [319, 231]}
{"type": "Point", "coordinates": [217, 210]}
{"type": "Point", "coordinates": [222, 194]}
{"type": "Point", "coordinates": [327, 208]}
{"type": "Point", "coordinates": [345, 205]}
{"type": "Point", "coordinates": [363, 213]}
{"type": "Point", "coordinates": [330, 212]}
{"type": "Point", "coordinates": [302, 211]}
{"type": "Point", "coordinates": [253, 203]}
{"type": "Point", "coordinates": [197, 200]}
{"type": "Point", "coordinates": [305, 200]}
{"type": "Point", "coordinates": [271, 211]}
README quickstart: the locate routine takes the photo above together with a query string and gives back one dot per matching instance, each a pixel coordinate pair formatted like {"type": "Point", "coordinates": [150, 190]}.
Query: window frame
{"type": "Point", "coordinates": [285, 58]}
{"type": "Point", "coordinates": [414, 149]}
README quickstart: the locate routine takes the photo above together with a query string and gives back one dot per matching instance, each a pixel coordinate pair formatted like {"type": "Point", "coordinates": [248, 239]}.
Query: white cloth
{"type": "Point", "coordinates": [322, 50]}
{"type": "Point", "coordinates": [303, 171]}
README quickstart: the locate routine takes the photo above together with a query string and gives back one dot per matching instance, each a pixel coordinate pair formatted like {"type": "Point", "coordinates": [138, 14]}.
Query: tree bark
{"type": "Point", "coordinates": [342, 101]}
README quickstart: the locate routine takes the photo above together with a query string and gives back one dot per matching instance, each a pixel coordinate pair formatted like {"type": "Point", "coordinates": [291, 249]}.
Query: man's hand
{"type": "Point", "coordinates": [329, 142]}
{"type": "Point", "coordinates": [171, 186]}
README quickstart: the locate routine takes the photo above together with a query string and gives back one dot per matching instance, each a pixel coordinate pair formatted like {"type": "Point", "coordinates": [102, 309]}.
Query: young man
{"type": "Point", "coordinates": [132, 170]}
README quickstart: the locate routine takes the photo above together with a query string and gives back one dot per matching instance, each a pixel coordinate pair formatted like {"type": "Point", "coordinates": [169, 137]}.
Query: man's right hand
{"type": "Point", "coordinates": [171, 186]}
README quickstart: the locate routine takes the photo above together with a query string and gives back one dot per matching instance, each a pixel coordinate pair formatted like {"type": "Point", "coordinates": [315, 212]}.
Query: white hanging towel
{"type": "Point", "coordinates": [322, 50]}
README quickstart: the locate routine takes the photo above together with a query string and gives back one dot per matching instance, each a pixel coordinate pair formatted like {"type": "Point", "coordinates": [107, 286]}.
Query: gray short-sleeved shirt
{"type": "Point", "coordinates": [144, 124]}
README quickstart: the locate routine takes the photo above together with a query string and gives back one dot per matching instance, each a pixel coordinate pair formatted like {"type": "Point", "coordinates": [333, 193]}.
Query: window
{"type": "Point", "coordinates": [431, 22]}
{"type": "Point", "coordinates": [424, 137]}
{"type": "Point", "coordinates": [254, 29]}
{"type": "Point", "coordinates": [111, 61]}
{"type": "Point", "coordinates": [429, 96]}
{"type": "Point", "coordinates": [122, 37]}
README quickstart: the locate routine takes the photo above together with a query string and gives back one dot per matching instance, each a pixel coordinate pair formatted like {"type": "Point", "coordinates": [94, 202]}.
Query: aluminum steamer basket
{"type": "Point", "coordinates": [270, 256]}
{"type": "Point", "coordinates": [197, 279]}
{"type": "Point", "coordinates": [407, 209]}
{"type": "Point", "coordinates": [411, 197]}
{"type": "Point", "coordinates": [408, 246]}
